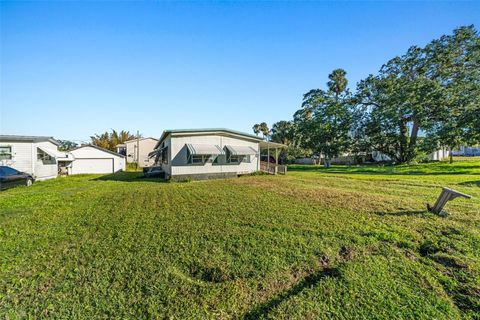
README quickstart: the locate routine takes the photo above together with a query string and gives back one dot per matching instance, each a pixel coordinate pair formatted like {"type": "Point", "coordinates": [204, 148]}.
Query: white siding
{"type": "Point", "coordinates": [24, 158]}
{"type": "Point", "coordinates": [91, 160]}
{"type": "Point", "coordinates": [21, 156]}
{"type": "Point", "coordinates": [90, 166]}
{"type": "Point", "coordinates": [178, 164]}
{"type": "Point", "coordinates": [146, 145]}
{"type": "Point", "coordinates": [45, 169]}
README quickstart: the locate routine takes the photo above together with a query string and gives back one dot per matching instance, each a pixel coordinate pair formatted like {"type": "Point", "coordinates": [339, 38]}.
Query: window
{"type": "Point", "coordinates": [198, 159]}
{"type": "Point", "coordinates": [236, 159]}
{"type": "Point", "coordinates": [7, 171]}
{"type": "Point", "coordinates": [5, 153]}
{"type": "Point", "coordinates": [43, 156]}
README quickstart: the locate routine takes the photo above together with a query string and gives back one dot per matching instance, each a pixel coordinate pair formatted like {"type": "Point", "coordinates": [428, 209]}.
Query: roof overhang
{"type": "Point", "coordinates": [14, 138]}
{"type": "Point", "coordinates": [99, 148]}
{"type": "Point", "coordinates": [156, 152]}
{"type": "Point", "coordinates": [272, 145]}
{"type": "Point", "coordinates": [55, 153]}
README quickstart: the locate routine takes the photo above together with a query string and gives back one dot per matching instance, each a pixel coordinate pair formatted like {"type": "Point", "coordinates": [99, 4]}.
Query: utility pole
{"type": "Point", "coordinates": [138, 149]}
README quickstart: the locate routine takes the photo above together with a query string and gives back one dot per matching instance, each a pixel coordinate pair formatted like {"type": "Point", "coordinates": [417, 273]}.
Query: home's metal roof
{"type": "Point", "coordinates": [206, 130]}
{"type": "Point", "coordinates": [15, 138]}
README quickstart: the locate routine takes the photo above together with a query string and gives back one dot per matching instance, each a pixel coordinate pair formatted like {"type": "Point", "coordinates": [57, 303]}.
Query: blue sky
{"type": "Point", "coordinates": [71, 69]}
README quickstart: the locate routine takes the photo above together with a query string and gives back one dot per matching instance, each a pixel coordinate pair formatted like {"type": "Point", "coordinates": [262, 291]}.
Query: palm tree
{"type": "Point", "coordinates": [110, 141]}
{"type": "Point", "coordinates": [338, 81]}
{"type": "Point", "coordinates": [256, 128]}
{"type": "Point", "coordinates": [264, 130]}
{"type": "Point", "coordinates": [283, 132]}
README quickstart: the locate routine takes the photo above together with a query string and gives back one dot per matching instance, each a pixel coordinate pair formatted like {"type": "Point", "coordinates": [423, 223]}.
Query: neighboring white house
{"type": "Point", "coordinates": [91, 159]}
{"type": "Point", "coordinates": [35, 155]}
{"type": "Point", "coordinates": [136, 151]}
{"type": "Point", "coordinates": [439, 155]}
{"type": "Point", "coordinates": [468, 151]}
{"type": "Point", "coordinates": [207, 153]}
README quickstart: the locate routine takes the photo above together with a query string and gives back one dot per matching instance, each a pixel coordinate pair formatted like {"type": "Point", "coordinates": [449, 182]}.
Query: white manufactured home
{"type": "Point", "coordinates": [207, 153]}
{"type": "Point", "coordinates": [137, 151]}
{"type": "Point", "coordinates": [35, 155]}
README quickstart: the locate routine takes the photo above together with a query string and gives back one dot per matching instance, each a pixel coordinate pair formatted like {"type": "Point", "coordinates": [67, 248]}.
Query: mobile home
{"type": "Point", "coordinates": [35, 155]}
{"type": "Point", "coordinates": [206, 153]}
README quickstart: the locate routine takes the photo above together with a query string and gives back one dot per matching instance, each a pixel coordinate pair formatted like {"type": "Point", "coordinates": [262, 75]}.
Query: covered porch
{"type": "Point", "coordinates": [269, 150]}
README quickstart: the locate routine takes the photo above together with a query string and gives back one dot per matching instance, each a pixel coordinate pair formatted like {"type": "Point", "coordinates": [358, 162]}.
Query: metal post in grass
{"type": "Point", "coordinates": [446, 195]}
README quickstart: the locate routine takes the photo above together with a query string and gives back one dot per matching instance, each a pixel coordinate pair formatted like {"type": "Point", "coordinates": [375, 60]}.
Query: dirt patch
{"type": "Point", "coordinates": [447, 261]}
{"type": "Point", "coordinates": [346, 253]}
{"type": "Point", "coordinates": [410, 255]}
{"type": "Point", "coordinates": [324, 261]}
{"type": "Point", "coordinates": [212, 274]}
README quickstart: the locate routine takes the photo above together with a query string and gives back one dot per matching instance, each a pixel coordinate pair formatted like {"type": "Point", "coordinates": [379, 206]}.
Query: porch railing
{"type": "Point", "coordinates": [272, 168]}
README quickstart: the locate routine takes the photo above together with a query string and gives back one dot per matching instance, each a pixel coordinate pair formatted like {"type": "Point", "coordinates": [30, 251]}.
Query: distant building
{"type": "Point", "coordinates": [140, 156]}
{"type": "Point", "coordinates": [467, 151]}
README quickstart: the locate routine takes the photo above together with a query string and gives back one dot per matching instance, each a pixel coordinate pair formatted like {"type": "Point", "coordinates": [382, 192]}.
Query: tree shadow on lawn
{"type": "Point", "coordinates": [265, 308]}
{"type": "Point", "coordinates": [125, 176]}
{"type": "Point", "coordinates": [403, 213]}
{"type": "Point", "coordinates": [470, 183]}
{"type": "Point", "coordinates": [387, 170]}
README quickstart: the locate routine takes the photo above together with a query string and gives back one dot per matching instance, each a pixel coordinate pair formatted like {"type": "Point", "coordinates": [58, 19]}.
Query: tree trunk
{"type": "Point", "coordinates": [413, 140]}
{"type": "Point", "coordinates": [402, 157]}
{"type": "Point", "coordinates": [451, 155]}
{"type": "Point", "coordinates": [326, 163]}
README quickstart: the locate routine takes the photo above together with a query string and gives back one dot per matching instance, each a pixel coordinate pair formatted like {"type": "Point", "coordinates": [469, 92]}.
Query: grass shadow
{"type": "Point", "coordinates": [264, 309]}
{"type": "Point", "coordinates": [125, 176]}
{"type": "Point", "coordinates": [470, 183]}
{"type": "Point", "coordinates": [402, 213]}
{"type": "Point", "coordinates": [434, 169]}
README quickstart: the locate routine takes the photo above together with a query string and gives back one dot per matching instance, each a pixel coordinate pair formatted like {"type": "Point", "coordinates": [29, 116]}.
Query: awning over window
{"type": "Point", "coordinates": [55, 153]}
{"type": "Point", "coordinates": [154, 153]}
{"type": "Point", "coordinates": [204, 149]}
{"type": "Point", "coordinates": [241, 150]}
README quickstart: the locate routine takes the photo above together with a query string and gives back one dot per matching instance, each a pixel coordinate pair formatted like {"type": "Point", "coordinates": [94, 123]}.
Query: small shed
{"type": "Point", "coordinates": [90, 159]}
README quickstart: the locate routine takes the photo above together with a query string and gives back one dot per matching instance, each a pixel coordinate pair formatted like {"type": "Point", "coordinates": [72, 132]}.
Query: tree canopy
{"type": "Point", "coordinates": [420, 101]}
{"type": "Point", "coordinates": [109, 140]}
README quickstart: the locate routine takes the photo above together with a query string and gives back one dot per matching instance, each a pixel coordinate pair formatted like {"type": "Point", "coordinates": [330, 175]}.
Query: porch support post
{"type": "Point", "coordinates": [268, 156]}
{"type": "Point", "coordinates": [276, 160]}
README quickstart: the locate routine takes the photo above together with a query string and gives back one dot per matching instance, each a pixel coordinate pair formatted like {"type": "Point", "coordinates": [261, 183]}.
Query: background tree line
{"type": "Point", "coordinates": [418, 102]}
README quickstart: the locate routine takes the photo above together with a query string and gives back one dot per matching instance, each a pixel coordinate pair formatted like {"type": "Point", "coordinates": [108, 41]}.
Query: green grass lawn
{"type": "Point", "coordinates": [338, 243]}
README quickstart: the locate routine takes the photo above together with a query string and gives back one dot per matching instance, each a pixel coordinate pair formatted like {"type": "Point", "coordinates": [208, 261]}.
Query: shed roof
{"type": "Point", "coordinates": [99, 148]}
{"type": "Point", "coordinates": [15, 138]}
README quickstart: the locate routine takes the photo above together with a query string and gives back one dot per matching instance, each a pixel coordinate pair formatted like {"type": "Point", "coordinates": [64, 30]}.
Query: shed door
{"type": "Point", "coordinates": [80, 166]}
